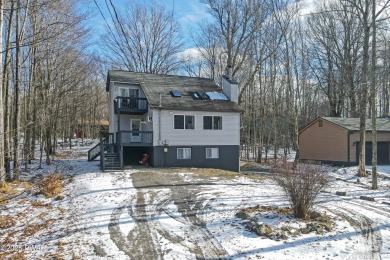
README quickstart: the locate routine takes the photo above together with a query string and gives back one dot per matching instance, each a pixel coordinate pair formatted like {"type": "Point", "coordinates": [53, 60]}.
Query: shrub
{"type": "Point", "coordinates": [301, 183]}
{"type": "Point", "coordinates": [51, 185]}
{"type": "Point", "coordinates": [6, 221]}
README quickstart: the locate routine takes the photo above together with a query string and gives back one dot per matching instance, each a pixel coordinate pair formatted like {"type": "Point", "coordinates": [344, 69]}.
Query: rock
{"type": "Point", "coordinates": [263, 229]}
{"type": "Point", "coordinates": [60, 197]}
{"type": "Point", "coordinates": [341, 193]}
{"type": "Point", "coordinates": [99, 250]}
{"type": "Point", "coordinates": [358, 180]}
{"type": "Point", "coordinates": [320, 231]}
{"type": "Point", "coordinates": [286, 228]}
{"type": "Point", "coordinates": [281, 235]}
{"type": "Point", "coordinates": [305, 230]}
{"type": "Point", "coordinates": [328, 226]}
{"type": "Point", "coordinates": [367, 198]}
{"type": "Point", "coordinates": [314, 215]}
{"type": "Point", "coordinates": [242, 214]}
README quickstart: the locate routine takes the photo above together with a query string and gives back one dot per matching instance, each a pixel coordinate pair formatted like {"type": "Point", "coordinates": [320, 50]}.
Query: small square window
{"type": "Point", "coordinates": [212, 153]}
{"type": "Point", "coordinates": [183, 153]}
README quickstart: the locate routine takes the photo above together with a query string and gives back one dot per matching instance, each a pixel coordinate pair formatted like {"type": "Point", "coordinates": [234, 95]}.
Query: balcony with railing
{"type": "Point", "coordinates": [135, 138]}
{"type": "Point", "coordinates": [129, 105]}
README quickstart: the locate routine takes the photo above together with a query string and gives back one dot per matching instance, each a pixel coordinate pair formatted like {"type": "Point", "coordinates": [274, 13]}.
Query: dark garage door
{"type": "Point", "coordinates": [382, 154]}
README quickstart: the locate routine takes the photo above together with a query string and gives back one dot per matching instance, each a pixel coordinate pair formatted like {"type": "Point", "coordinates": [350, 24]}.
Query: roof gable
{"type": "Point", "coordinates": [353, 124]}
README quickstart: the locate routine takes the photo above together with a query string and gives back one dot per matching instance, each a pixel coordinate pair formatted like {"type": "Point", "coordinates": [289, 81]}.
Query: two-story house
{"type": "Point", "coordinates": [176, 121]}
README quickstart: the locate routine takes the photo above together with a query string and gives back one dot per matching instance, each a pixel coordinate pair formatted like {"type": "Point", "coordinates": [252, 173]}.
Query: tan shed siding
{"type": "Point", "coordinates": [355, 137]}
{"type": "Point", "coordinates": [326, 143]}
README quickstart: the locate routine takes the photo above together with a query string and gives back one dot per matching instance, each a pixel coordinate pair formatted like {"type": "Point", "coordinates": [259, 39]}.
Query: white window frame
{"type": "Point", "coordinates": [185, 155]}
{"type": "Point", "coordinates": [184, 124]}
{"type": "Point", "coordinates": [214, 153]}
{"type": "Point", "coordinates": [212, 123]}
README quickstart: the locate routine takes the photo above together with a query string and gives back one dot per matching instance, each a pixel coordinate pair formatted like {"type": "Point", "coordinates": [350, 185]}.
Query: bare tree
{"type": "Point", "coordinates": [2, 173]}
{"type": "Point", "coordinates": [143, 39]}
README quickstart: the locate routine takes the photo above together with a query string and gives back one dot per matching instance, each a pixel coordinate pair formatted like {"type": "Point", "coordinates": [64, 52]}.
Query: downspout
{"type": "Point", "coordinates": [159, 120]}
{"type": "Point", "coordinates": [159, 130]}
{"type": "Point", "coordinates": [348, 148]}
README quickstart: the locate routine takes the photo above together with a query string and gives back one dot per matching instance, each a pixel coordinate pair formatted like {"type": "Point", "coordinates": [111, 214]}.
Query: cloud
{"type": "Point", "coordinates": [196, 13]}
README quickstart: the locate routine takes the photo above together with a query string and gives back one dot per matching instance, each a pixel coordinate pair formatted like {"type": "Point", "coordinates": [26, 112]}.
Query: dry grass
{"type": "Point", "coordinates": [6, 221]}
{"type": "Point", "coordinates": [51, 185]}
{"type": "Point", "coordinates": [11, 255]}
{"type": "Point", "coordinates": [38, 203]}
{"type": "Point", "coordinates": [8, 240]}
{"type": "Point", "coordinates": [31, 229]}
{"type": "Point", "coordinates": [26, 185]}
{"type": "Point", "coordinates": [285, 211]}
{"type": "Point", "coordinates": [8, 189]}
{"type": "Point", "coordinates": [60, 245]}
{"type": "Point", "coordinates": [17, 256]}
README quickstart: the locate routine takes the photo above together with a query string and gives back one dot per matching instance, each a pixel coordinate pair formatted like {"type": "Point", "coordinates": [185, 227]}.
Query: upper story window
{"type": "Point", "coordinates": [129, 92]}
{"type": "Point", "coordinates": [320, 123]}
{"type": "Point", "coordinates": [212, 122]}
{"type": "Point", "coordinates": [184, 122]}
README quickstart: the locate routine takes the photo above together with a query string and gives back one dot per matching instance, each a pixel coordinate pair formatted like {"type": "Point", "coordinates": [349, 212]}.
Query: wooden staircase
{"type": "Point", "coordinates": [110, 158]}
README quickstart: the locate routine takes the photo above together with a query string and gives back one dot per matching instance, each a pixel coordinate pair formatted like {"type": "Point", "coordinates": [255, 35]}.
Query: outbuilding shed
{"type": "Point", "coordinates": [335, 140]}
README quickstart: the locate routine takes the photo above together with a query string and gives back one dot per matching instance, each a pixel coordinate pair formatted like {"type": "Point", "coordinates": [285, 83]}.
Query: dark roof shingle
{"type": "Point", "coordinates": [153, 85]}
{"type": "Point", "coordinates": [353, 124]}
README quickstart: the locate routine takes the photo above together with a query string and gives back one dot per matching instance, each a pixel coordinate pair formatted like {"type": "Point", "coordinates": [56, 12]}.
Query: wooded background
{"type": "Point", "coordinates": [292, 64]}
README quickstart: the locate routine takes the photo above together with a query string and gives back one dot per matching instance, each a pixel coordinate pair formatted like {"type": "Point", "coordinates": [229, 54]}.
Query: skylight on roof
{"type": "Point", "coordinates": [217, 96]}
{"type": "Point", "coordinates": [175, 93]}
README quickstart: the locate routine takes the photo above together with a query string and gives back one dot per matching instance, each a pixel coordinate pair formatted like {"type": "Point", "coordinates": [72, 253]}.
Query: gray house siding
{"type": "Point", "coordinates": [228, 157]}
{"type": "Point", "coordinates": [156, 124]}
{"type": "Point", "coordinates": [164, 132]}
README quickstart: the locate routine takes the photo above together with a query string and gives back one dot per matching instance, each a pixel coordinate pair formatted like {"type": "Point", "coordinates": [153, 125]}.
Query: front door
{"type": "Point", "coordinates": [135, 126]}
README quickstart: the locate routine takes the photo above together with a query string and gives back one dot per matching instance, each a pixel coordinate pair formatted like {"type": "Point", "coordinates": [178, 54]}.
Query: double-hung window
{"type": "Point", "coordinates": [184, 122]}
{"type": "Point", "coordinates": [212, 153]}
{"type": "Point", "coordinates": [183, 153]}
{"type": "Point", "coordinates": [212, 122]}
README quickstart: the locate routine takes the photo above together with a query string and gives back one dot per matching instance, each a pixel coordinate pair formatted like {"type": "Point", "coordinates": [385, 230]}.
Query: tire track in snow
{"type": "Point", "coordinates": [370, 241]}
{"type": "Point", "coordinates": [140, 242]}
{"type": "Point", "coordinates": [150, 210]}
{"type": "Point", "coordinates": [199, 241]}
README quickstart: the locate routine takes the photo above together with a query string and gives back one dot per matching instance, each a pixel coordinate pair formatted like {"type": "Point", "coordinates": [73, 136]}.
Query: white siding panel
{"type": "Point", "coordinates": [229, 135]}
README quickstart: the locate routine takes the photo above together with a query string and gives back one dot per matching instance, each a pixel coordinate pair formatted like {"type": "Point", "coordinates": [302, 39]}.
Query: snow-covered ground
{"type": "Point", "coordinates": [187, 214]}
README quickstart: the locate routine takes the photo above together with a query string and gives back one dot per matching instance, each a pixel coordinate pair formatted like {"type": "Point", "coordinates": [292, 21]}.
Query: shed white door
{"type": "Point", "coordinates": [135, 125]}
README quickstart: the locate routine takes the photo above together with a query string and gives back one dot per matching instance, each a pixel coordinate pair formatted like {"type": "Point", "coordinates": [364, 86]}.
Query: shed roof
{"type": "Point", "coordinates": [353, 124]}
{"type": "Point", "coordinates": [153, 85]}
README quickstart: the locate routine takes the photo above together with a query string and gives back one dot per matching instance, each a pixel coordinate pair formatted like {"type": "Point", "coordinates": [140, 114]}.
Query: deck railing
{"type": "Point", "coordinates": [130, 105]}
{"type": "Point", "coordinates": [135, 138]}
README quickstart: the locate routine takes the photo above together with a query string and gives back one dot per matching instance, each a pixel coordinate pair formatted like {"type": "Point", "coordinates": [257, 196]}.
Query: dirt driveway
{"type": "Point", "coordinates": [174, 214]}
{"type": "Point", "coordinates": [166, 200]}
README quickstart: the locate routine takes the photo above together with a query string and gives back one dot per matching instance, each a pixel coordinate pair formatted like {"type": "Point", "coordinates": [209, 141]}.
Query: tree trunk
{"type": "Point", "coordinates": [373, 100]}
{"type": "Point", "coordinates": [16, 122]}
{"type": "Point", "coordinates": [2, 173]}
{"type": "Point", "coordinates": [364, 91]}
